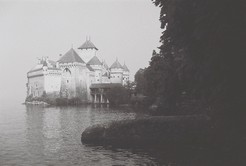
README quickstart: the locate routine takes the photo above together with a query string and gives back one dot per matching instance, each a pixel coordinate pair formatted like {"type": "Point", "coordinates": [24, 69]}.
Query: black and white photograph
{"type": "Point", "coordinates": [122, 83]}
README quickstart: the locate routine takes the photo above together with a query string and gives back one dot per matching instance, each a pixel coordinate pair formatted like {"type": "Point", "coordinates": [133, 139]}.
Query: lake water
{"type": "Point", "coordinates": [35, 135]}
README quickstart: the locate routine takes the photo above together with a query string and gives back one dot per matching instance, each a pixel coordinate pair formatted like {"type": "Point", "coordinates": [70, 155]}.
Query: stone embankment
{"type": "Point", "coordinates": [36, 103]}
{"type": "Point", "coordinates": [161, 130]}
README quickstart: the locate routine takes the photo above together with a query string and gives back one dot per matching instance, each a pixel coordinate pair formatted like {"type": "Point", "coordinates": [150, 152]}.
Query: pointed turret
{"type": "Point", "coordinates": [116, 72]}
{"type": "Point", "coordinates": [88, 45]}
{"type": "Point", "coordinates": [87, 50]}
{"type": "Point", "coordinates": [126, 73]}
{"type": "Point", "coordinates": [94, 61]}
{"type": "Point", "coordinates": [116, 65]}
{"type": "Point", "coordinates": [125, 68]}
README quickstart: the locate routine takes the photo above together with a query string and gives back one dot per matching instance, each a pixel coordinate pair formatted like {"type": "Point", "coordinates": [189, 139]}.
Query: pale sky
{"type": "Point", "coordinates": [127, 29]}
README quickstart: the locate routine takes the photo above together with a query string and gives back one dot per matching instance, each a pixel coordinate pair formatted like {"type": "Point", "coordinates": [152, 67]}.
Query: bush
{"type": "Point", "coordinates": [29, 98]}
{"type": "Point", "coordinates": [118, 95]}
{"type": "Point", "coordinates": [74, 101]}
{"type": "Point", "coordinates": [61, 101]}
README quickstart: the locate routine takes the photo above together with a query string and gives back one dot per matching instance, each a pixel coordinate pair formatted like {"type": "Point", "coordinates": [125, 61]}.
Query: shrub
{"type": "Point", "coordinates": [61, 101]}
{"type": "Point", "coordinates": [118, 95]}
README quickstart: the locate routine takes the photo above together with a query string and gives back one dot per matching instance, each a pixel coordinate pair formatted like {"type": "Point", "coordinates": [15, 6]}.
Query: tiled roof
{"type": "Point", "coordinates": [125, 68]}
{"type": "Point", "coordinates": [88, 45]}
{"type": "Point", "coordinates": [90, 68]}
{"type": "Point", "coordinates": [116, 64]}
{"type": "Point", "coordinates": [53, 63]}
{"type": "Point", "coordinates": [70, 57]}
{"type": "Point", "coordinates": [94, 61]}
{"type": "Point", "coordinates": [36, 68]}
{"type": "Point", "coordinates": [41, 65]}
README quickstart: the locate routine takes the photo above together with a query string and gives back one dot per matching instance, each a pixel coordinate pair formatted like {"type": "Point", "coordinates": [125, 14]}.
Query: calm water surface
{"type": "Point", "coordinates": [37, 136]}
{"type": "Point", "coordinates": [34, 135]}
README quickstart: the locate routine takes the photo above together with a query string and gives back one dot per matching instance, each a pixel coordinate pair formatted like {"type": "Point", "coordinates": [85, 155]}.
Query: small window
{"type": "Point", "coordinates": [67, 81]}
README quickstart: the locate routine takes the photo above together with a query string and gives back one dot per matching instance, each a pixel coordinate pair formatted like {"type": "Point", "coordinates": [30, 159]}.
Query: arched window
{"type": "Point", "coordinates": [66, 71]}
{"type": "Point", "coordinates": [67, 75]}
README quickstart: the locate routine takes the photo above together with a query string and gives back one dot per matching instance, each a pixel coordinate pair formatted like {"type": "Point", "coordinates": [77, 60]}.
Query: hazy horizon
{"type": "Point", "coordinates": [128, 30]}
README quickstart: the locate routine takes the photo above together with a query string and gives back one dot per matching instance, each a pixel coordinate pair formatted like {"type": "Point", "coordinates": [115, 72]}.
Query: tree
{"type": "Point", "coordinates": [140, 81]}
{"type": "Point", "coordinates": [118, 95]}
{"type": "Point", "coordinates": [203, 45]}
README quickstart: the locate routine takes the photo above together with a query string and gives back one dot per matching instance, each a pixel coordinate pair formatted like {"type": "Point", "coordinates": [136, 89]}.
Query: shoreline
{"type": "Point", "coordinates": [154, 130]}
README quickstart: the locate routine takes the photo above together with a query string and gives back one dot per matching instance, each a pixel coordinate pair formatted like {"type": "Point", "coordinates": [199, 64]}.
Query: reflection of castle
{"type": "Point", "coordinates": [75, 74]}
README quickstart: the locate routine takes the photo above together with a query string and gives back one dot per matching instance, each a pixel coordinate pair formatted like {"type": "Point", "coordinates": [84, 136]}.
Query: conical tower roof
{"type": "Point", "coordinates": [116, 65]}
{"type": "Point", "coordinates": [125, 68]}
{"type": "Point", "coordinates": [94, 61]}
{"type": "Point", "coordinates": [87, 45]}
{"type": "Point", "coordinates": [70, 57]}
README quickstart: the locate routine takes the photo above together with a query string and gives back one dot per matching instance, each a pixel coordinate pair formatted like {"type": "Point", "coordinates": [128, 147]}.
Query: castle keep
{"type": "Point", "coordinates": [76, 75]}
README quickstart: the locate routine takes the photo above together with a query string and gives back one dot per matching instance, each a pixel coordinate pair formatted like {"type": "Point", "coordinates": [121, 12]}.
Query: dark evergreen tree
{"type": "Point", "coordinates": [203, 47]}
{"type": "Point", "coordinates": [140, 81]}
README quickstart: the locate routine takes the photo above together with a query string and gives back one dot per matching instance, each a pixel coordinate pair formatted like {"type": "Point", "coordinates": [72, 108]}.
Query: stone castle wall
{"type": "Point", "coordinates": [36, 86]}
{"type": "Point", "coordinates": [74, 81]}
{"type": "Point", "coordinates": [116, 76]}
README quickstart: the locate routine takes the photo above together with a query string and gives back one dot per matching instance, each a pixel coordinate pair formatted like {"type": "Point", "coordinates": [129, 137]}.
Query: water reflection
{"type": "Point", "coordinates": [34, 135]}
{"type": "Point", "coordinates": [35, 144]}
{"type": "Point", "coordinates": [53, 136]}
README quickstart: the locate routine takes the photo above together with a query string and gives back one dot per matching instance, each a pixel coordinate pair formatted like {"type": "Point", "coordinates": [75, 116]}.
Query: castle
{"type": "Point", "coordinates": [76, 75]}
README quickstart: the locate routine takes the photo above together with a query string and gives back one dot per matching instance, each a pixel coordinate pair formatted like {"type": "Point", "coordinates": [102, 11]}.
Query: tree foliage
{"type": "Point", "coordinates": [118, 95]}
{"type": "Point", "coordinates": [140, 81]}
{"type": "Point", "coordinates": [202, 50]}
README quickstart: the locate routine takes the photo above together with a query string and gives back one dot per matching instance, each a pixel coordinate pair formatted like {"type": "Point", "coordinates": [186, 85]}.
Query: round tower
{"type": "Point", "coordinates": [116, 72]}
{"type": "Point", "coordinates": [126, 74]}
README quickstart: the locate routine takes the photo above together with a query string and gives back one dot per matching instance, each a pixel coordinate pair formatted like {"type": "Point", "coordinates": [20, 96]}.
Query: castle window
{"type": "Point", "coordinates": [67, 81]}
{"type": "Point", "coordinates": [67, 72]}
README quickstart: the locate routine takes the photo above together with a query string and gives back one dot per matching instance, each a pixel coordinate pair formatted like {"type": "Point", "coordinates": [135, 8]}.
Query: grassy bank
{"type": "Point", "coordinates": [161, 130]}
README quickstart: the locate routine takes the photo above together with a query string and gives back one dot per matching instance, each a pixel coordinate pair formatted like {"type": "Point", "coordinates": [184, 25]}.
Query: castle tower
{"type": "Point", "coordinates": [97, 67]}
{"type": "Point", "coordinates": [87, 50]}
{"type": "Point", "coordinates": [126, 74]}
{"type": "Point", "coordinates": [116, 72]}
{"type": "Point", "coordinates": [74, 76]}
{"type": "Point", "coordinates": [44, 78]}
